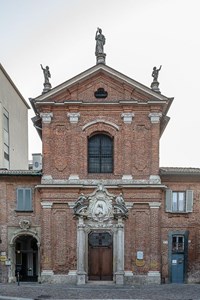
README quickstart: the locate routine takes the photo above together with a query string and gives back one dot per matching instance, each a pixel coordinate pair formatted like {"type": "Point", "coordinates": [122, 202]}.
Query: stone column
{"type": "Point", "coordinates": [119, 275]}
{"type": "Point", "coordinates": [81, 273]}
{"type": "Point", "coordinates": [46, 240]}
{"type": "Point", "coordinates": [155, 138]}
{"type": "Point", "coordinates": [155, 255]}
{"type": "Point", "coordinates": [127, 118]}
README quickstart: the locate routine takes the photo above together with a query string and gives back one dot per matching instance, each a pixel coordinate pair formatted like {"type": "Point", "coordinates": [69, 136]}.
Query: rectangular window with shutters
{"type": "Point", "coordinates": [24, 199]}
{"type": "Point", "coordinates": [179, 201]}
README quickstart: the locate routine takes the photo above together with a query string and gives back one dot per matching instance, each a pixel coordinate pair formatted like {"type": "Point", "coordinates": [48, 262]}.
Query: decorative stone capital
{"type": "Point", "coordinates": [155, 117]}
{"type": "Point", "coordinates": [154, 204]}
{"type": "Point", "coordinates": [154, 179]}
{"type": "Point", "coordinates": [73, 117]}
{"type": "Point", "coordinates": [46, 117]}
{"type": "Point", "coordinates": [47, 204]}
{"type": "Point", "coordinates": [127, 117]}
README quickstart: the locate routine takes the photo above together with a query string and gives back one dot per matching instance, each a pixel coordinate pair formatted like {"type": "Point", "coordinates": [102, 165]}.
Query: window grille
{"type": "Point", "coordinates": [178, 243]}
{"type": "Point", "coordinates": [100, 154]}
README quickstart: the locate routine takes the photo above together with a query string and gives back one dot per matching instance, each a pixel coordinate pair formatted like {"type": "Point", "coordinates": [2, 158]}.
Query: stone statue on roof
{"type": "Point", "coordinates": [47, 75]}
{"type": "Point", "coordinates": [155, 73]}
{"type": "Point", "coordinates": [155, 83]}
{"type": "Point", "coordinates": [100, 41]}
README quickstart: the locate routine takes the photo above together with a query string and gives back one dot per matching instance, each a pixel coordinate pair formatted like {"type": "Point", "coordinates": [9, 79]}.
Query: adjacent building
{"type": "Point", "coordinates": [13, 125]}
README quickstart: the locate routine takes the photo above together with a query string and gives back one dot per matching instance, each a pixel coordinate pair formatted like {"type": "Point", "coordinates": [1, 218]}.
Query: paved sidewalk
{"type": "Point", "coordinates": [35, 291]}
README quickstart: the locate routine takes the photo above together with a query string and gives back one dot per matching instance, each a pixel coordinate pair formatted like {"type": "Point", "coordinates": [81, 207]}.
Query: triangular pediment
{"type": "Point", "coordinates": [115, 85]}
{"type": "Point", "coordinates": [104, 85]}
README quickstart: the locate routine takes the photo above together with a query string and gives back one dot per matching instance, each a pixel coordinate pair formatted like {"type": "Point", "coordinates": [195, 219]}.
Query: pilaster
{"type": "Point", "coordinates": [155, 138]}
{"type": "Point", "coordinates": [46, 141]}
{"type": "Point", "coordinates": [47, 241]}
{"type": "Point", "coordinates": [127, 147]}
{"type": "Point", "coordinates": [154, 242]}
{"type": "Point", "coordinates": [74, 150]}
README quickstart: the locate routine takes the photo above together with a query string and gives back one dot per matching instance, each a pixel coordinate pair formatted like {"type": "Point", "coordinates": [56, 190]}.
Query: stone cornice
{"type": "Point", "coordinates": [144, 184]}
{"type": "Point", "coordinates": [83, 103]}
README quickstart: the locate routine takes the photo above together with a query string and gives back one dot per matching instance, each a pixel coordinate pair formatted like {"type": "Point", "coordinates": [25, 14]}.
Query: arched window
{"type": "Point", "coordinates": [100, 154]}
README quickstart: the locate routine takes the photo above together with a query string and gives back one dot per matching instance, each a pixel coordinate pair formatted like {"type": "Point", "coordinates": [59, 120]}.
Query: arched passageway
{"type": "Point", "coordinates": [26, 258]}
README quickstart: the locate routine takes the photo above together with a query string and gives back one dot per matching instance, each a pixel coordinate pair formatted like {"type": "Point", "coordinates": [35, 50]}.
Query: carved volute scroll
{"type": "Point", "coordinates": [100, 206]}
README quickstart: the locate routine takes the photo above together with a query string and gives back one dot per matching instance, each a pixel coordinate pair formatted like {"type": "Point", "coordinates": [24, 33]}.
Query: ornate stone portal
{"type": "Point", "coordinates": [100, 211]}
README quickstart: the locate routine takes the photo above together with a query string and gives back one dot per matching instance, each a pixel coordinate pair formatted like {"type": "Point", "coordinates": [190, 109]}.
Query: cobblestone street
{"type": "Point", "coordinates": [35, 291]}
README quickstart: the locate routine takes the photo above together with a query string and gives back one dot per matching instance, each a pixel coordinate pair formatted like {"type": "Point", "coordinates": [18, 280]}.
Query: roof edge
{"type": "Point", "coordinates": [187, 171]}
{"type": "Point", "coordinates": [5, 172]}
{"type": "Point", "coordinates": [13, 85]}
{"type": "Point", "coordinates": [94, 69]}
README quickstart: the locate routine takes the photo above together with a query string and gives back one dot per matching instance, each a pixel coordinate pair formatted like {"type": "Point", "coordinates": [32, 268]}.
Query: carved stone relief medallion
{"type": "Point", "coordinates": [24, 224]}
{"type": "Point", "coordinates": [100, 206]}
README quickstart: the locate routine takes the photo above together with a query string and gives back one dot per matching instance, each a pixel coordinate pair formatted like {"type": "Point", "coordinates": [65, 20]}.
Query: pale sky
{"type": "Point", "coordinates": [140, 34]}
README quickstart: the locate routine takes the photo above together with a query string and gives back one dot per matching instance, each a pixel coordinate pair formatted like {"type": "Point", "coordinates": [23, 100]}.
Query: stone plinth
{"type": "Point", "coordinates": [101, 58]}
{"type": "Point", "coordinates": [155, 86]}
{"type": "Point", "coordinates": [47, 87]}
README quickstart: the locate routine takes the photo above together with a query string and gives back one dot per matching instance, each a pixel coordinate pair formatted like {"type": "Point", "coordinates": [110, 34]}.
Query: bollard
{"type": "Point", "coordinates": [17, 278]}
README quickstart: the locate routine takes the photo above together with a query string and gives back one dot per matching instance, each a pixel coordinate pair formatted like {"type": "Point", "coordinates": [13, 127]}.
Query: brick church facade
{"type": "Point", "coordinates": [101, 209]}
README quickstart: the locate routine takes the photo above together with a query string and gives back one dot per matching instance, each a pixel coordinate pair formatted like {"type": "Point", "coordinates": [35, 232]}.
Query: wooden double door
{"type": "Point", "coordinates": [100, 256]}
